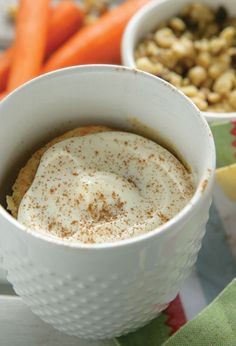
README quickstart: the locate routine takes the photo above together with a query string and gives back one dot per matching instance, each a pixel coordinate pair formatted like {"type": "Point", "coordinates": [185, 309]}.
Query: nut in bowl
{"type": "Point", "coordinates": [89, 289]}
{"type": "Point", "coordinates": [192, 45]}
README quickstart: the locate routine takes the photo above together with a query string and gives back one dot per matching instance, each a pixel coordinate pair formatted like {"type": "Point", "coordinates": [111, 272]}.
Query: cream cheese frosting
{"type": "Point", "coordinates": [105, 187]}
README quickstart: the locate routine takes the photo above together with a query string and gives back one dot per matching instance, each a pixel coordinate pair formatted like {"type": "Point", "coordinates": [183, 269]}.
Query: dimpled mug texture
{"type": "Point", "coordinates": [100, 291]}
{"type": "Point", "coordinates": [87, 305]}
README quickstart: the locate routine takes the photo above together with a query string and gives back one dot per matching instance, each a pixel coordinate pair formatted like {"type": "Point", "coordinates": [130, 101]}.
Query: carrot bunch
{"type": "Point", "coordinates": [48, 38]}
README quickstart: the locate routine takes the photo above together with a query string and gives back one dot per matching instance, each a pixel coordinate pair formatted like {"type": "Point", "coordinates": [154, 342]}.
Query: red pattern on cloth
{"type": "Point", "coordinates": [176, 315]}
{"type": "Point", "coordinates": [233, 133]}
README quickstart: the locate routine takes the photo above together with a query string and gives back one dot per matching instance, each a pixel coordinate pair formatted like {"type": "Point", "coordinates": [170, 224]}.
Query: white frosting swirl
{"type": "Point", "coordinates": [105, 187]}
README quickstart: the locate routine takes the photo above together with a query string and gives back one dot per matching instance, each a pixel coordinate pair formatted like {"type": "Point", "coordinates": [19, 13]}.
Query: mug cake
{"type": "Point", "coordinates": [97, 185]}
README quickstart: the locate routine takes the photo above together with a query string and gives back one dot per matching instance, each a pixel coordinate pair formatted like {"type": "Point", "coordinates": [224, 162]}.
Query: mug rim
{"type": "Point", "coordinates": [201, 190]}
{"type": "Point", "coordinates": [128, 57]}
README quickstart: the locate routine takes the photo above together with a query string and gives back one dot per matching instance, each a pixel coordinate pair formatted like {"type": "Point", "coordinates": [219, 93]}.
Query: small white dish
{"type": "Point", "coordinates": [148, 18]}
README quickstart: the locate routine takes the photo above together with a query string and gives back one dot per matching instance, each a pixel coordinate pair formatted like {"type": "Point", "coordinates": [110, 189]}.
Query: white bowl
{"type": "Point", "coordinates": [102, 290]}
{"type": "Point", "coordinates": [148, 18]}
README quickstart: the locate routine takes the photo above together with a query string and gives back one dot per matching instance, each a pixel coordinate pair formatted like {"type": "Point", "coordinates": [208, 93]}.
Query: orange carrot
{"type": "Point", "coordinates": [65, 20]}
{"type": "Point", "coordinates": [2, 95]}
{"type": "Point", "coordinates": [5, 63]}
{"type": "Point", "coordinates": [98, 42]}
{"type": "Point", "coordinates": [31, 34]}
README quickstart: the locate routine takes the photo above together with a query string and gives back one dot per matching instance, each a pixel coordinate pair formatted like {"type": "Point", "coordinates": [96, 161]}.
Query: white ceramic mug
{"type": "Point", "coordinates": [103, 290]}
{"type": "Point", "coordinates": [147, 20]}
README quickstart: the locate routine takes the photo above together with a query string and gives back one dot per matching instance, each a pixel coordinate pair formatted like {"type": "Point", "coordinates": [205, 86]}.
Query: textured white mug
{"type": "Point", "coordinates": [102, 290]}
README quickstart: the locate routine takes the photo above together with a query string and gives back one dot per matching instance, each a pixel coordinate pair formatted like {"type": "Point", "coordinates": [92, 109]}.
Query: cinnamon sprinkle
{"type": "Point", "coordinates": [106, 187]}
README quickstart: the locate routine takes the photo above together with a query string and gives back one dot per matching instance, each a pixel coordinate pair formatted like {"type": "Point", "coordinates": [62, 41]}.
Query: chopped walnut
{"type": "Point", "coordinates": [195, 51]}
